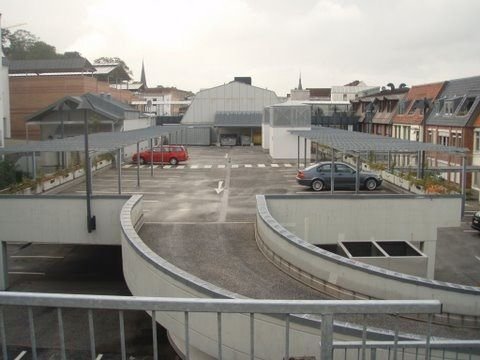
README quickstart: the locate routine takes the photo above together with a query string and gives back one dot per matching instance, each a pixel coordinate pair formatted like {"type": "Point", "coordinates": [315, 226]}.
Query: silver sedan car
{"type": "Point", "coordinates": [317, 176]}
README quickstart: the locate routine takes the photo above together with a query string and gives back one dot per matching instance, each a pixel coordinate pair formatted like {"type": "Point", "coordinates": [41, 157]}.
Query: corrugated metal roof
{"type": "Point", "coordinates": [97, 142]}
{"type": "Point", "coordinates": [344, 140]}
{"type": "Point", "coordinates": [102, 104]}
{"type": "Point", "coordinates": [238, 119]}
{"type": "Point", "coordinates": [50, 65]}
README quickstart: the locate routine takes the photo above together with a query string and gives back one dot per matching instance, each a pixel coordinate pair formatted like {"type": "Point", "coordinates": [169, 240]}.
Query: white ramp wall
{"type": "Point", "coordinates": [31, 219]}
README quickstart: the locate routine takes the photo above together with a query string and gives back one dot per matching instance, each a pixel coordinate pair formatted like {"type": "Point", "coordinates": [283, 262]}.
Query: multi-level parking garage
{"type": "Point", "coordinates": [205, 229]}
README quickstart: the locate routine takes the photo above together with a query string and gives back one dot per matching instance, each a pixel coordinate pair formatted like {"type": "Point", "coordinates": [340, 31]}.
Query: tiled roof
{"type": "Point", "coordinates": [458, 104]}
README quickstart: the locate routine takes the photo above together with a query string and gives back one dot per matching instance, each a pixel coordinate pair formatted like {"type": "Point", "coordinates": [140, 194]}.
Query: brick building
{"type": "Point", "coordinates": [35, 84]}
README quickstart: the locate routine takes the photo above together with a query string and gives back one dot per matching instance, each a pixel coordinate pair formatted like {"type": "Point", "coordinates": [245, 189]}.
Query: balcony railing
{"type": "Point", "coordinates": [325, 309]}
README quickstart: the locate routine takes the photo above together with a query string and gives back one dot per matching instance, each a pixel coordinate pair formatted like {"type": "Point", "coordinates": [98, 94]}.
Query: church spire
{"type": "Point", "coordinates": [143, 78]}
{"type": "Point", "coordinates": [300, 82]}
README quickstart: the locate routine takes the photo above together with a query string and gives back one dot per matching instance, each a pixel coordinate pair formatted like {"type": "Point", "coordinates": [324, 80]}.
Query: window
{"type": "Point", "coordinates": [443, 140]}
{"type": "Point", "coordinates": [466, 106]}
{"type": "Point", "coordinates": [343, 169]}
{"type": "Point", "coordinates": [325, 168]}
{"type": "Point", "coordinates": [448, 107]}
{"type": "Point", "coordinates": [476, 141]}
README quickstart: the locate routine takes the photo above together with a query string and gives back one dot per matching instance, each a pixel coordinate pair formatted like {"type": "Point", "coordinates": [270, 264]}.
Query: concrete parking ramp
{"type": "Point", "coordinates": [289, 226]}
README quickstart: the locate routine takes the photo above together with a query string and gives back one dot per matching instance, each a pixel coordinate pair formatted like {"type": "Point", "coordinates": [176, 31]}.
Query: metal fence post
{"type": "Point", "coordinates": [326, 343]}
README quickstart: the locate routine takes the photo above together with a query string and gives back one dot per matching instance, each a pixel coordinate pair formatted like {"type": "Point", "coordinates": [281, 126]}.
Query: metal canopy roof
{"type": "Point", "coordinates": [106, 141]}
{"type": "Point", "coordinates": [356, 141]}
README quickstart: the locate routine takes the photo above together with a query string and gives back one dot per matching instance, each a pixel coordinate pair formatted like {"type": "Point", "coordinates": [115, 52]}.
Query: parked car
{"type": "Point", "coordinates": [318, 177]}
{"type": "Point", "coordinates": [476, 221]}
{"type": "Point", "coordinates": [171, 154]}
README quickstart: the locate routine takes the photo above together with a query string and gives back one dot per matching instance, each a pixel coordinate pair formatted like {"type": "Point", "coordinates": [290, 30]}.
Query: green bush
{"type": "Point", "coordinates": [9, 175]}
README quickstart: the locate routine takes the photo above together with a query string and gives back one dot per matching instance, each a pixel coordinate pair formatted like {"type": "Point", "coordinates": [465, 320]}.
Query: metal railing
{"type": "Point", "coordinates": [326, 309]}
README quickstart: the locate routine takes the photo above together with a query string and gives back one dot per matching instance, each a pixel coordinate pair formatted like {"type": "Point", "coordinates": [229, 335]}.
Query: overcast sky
{"type": "Point", "coordinates": [199, 44]}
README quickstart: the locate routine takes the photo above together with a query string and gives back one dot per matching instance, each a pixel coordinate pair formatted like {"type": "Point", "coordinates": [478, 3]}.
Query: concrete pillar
{"type": "Point", "coordinates": [119, 170]}
{"type": "Point", "coordinates": [3, 266]}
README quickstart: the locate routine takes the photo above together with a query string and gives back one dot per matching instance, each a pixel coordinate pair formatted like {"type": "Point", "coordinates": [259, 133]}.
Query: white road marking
{"type": "Point", "coordinates": [470, 231]}
{"type": "Point", "coordinates": [261, 165]}
{"type": "Point", "coordinates": [21, 355]}
{"type": "Point", "coordinates": [99, 357]}
{"type": "Point", "coordinates": [235, 166]}
{"type": "Point", "coordinates": [151, 201]}
{"type": "Point", "coordinates": [167, 167]}
{"type": "Point", "coordinates": [287, 165]}
{"type": "Point", "coordinates": [477, 257]}
{"type": "Point", "coordinates": [26, 273]}
{"type": "Point", "coordinates": [248, 165]}
{"type": "Point", "coordinates": [219, 188]}
{"type": "Point", "coordinates": [207, 167]}
{"type": "Point", "coordinates": [35, 257]}
{"type": "Point", "coordinates": [126, 166]}
{"type": "Point", "coordinates": [180, 167]}
{"type": "Point", "coordinates": [221, 166]}
{"type": "Point", "coordinates": [196, 223]}
{"type": "Point", "coordinates": [226, 156]}
{"type": "Point", "coordinates": [194, 167]}
{"type": "Point", "coordinates": [274, 165]}
{"type": "Point", "coordinates": [125, 192]}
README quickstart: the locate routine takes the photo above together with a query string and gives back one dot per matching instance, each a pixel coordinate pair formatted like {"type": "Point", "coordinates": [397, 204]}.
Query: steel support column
{"type": "Point", "coordinates": [3, 266]}
{"type": "Point", "coordinates": [305, 152]}
{"type": "Point", "coordinates": [357, 175]}
{"type": "Point", "coordinates": [88, 176]}
{"type": "Point", "coordinates": [151, 157]}
{"type": "Point", "coordinates": [138, 164]}
{"type": "Point", "coordinates": [298, 152]}
{"type": "Point", "coordinates": [464, 182]}
{"type": "Point", "coordinates": [119, 170]}
{"type": "Point", "coordinates": [332, 172]}
{"type": "Point", "coordinates": [34, 166]}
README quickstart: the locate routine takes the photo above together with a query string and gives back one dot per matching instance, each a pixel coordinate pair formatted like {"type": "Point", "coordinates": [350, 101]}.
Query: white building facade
{"type": "Point", "coordinates": [4, 99]}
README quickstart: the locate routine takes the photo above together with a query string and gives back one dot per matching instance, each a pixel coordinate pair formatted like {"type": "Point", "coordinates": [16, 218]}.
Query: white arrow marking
{"type": "Point", "coordinates": [220, 188]}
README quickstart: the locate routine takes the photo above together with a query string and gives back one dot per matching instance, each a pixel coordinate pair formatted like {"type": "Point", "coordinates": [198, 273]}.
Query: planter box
{"type": "Point", "coordinates": [78, 173]}
{"type": "Point", "coordinates": [66, 178]}
{"type": "Point", "coordinates": [419, 190]}
{"type": "Point", "coordinates": [49, 184]}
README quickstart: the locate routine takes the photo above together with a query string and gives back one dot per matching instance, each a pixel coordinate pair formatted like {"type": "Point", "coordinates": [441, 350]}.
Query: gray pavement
{"type": "Point", "coordinates": [210, 233]}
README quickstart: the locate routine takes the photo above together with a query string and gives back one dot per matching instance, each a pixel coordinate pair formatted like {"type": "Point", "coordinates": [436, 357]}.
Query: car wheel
{"type": "Point", "coordinates": [317, 185]}
{"type": "Point", "coordinates": [173, 161]}
{"type": "Point", "coordinates": [371, 184]}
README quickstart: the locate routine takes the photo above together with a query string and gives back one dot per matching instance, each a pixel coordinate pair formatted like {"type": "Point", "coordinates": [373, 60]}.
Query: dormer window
{"type": "Point", "coordinates": [448, 107]}
{"type": "Point", "coordinates": [466, 106]}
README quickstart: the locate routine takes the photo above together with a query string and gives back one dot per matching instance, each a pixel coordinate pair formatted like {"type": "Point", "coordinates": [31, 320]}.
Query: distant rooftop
{"type": "Point", "coordinates": [61, 65]}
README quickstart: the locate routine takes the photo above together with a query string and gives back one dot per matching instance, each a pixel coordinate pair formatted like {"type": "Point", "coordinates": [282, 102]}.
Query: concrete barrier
{"type": "Point", "coordinates": [356, 218]}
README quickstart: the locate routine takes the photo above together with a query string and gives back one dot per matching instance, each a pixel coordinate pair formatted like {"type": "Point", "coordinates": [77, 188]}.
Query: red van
{"type": "Point", "coordinates": [171, 154]}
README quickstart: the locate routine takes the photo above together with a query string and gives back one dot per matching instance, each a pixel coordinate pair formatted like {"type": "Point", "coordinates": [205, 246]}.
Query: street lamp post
{"type": "Point", "coordinates": [91, 220]}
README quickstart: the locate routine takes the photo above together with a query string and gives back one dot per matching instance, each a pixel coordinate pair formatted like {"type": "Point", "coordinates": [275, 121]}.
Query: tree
{"type": "Point", "coordinates": [23, 45]}
{"type": "Point", "coordinates": [41, 50]}
{"type": "Point", "coordinates": [19, 44]}
{"type": "Point", "coordinates": [113, 60]}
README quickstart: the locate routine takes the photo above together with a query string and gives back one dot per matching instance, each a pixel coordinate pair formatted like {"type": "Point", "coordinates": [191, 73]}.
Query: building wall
{"type": "Point", "coordinates": [233, 97]}
{"type": "Point", "coordinates": [4, 102]}
{"type": "Point", "coordinates": [33, 93]}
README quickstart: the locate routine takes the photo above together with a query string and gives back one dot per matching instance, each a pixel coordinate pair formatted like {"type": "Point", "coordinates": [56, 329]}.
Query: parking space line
{"type": "Point", "coordinates": [274, 165]}
{"type": "Point", "coordinates": [470, 231]}
{"type": "Point", "coordinates": [180, 167]}
{"type": "Point", "coordinates": [261, 165]}
{"type": "Point", "coordinates": [127, 166]}
{"type": "Point", "coordinates": [287, 165]}
{"type": "Point", "coordinates": [235, 166]}
{"type": "Point", "coordinates": [99, 357]}
{"type": "Point", "coordinates": [207, 167]}
{"type": "Point", "coordinates": [194, 167]}
{"type": "Point", "coordinates": [221, 166]}
{"type": "Point", "coordinates": [151, 201]}
{"type": "Point", "coordinates": [26, 273]}
{"type": "Point", "coordinates": [167, 167]}
{"type": "Point", "coordinates": [21, 355]}
{"type": "Point", "coordinates": [248, 165]}
{"type": "Point", "coordinates": [35, 257]}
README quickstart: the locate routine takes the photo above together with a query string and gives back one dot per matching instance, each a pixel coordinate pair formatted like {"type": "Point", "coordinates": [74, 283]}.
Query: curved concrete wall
{"type": "Point", "coordinates": [335, 274]}
{"type": "Point", "coordinates": [147, 274]}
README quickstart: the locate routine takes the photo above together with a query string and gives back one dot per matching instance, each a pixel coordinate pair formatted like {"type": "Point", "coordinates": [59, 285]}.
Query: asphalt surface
{"type": "Point", "coordinates": [200, 216]}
